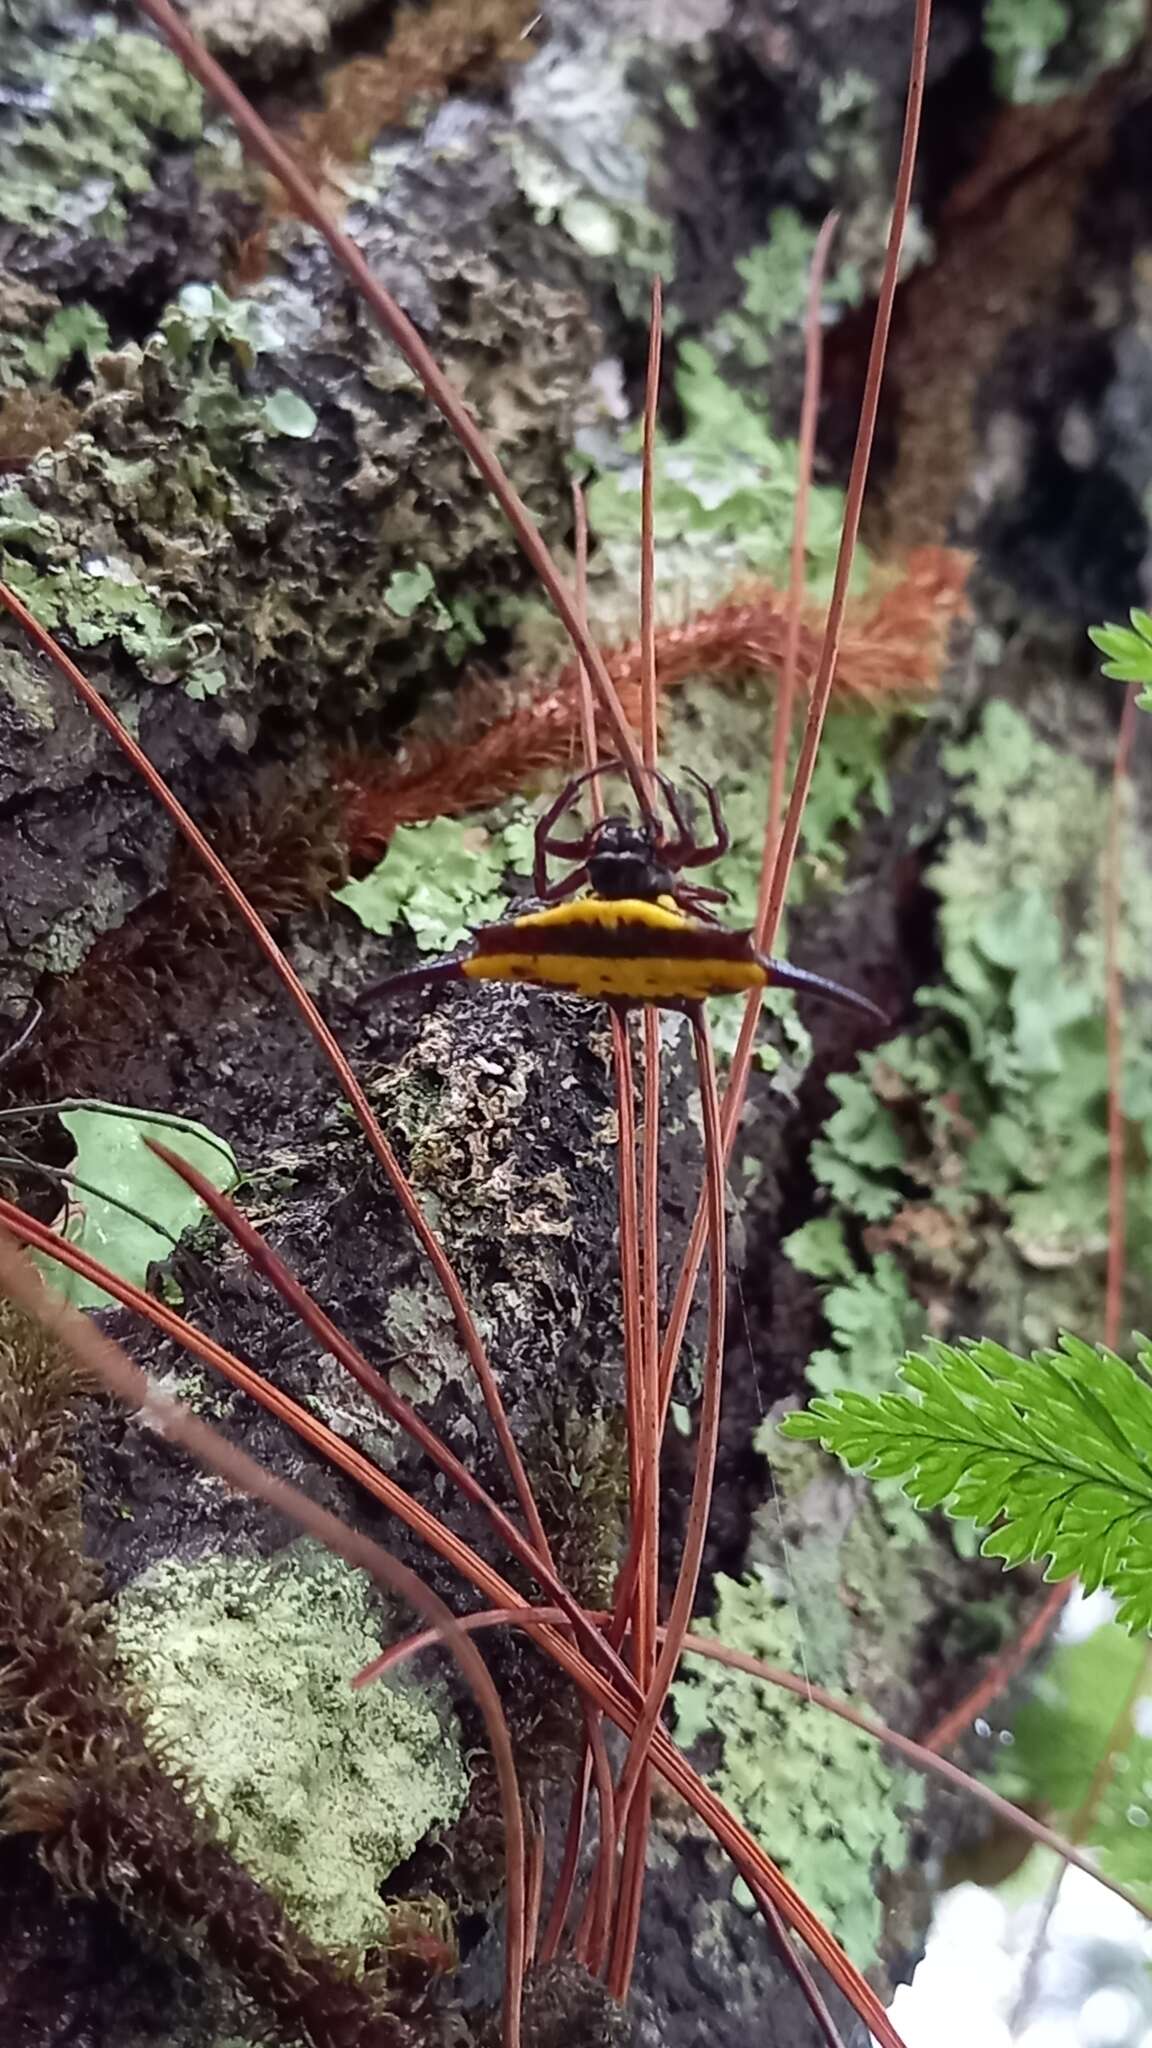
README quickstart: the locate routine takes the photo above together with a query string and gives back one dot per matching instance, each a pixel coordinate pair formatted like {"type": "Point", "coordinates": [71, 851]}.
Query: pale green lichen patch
{"type": "Point", "coordinates": [977, 1147]}
{"type": "Point", "coordinates": [1043, 48]}
{"type": "Point", "coordinates": [583, 148]}
{"type": "Point", "coordinates": [246, 1667]}
{"type": "Point", "coordinates": [441, 878]}
{"type": "Point", "coordinates": [774, 278]}
{"type": "Point", "coordinates": [724, 495]}
{"type": "Point", "coordinates": [816, 1790]}
{"type": "Point", "coordinates": [66, 544]}
{"type": "Point", "coordinates": [98, 109]}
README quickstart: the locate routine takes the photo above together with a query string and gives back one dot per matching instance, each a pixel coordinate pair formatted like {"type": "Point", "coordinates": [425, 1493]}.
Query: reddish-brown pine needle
{"type": "Point", "coordinates": [769, 912]}
{"type": "Point", "coordinates": [643, 1278]}
{"type": "Point", "coordinates": [750, 1859]}
{"type": "Point", "coordinates": [325, 1039]}
{"type": "Point", "coordinates": [917, 1754]}
{"type": "Point", "coordinates": [590, 1659]}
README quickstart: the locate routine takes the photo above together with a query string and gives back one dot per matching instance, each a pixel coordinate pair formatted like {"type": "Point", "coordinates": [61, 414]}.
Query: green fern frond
{"type": "Point", "coordinates": [1129, 652]}
{"type": "Point", "coordinates": [1052, 1453]}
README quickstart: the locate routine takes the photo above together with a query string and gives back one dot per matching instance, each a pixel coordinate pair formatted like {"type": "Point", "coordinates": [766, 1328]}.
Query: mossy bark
{"type": "Point", "coordinates": [224, 567]}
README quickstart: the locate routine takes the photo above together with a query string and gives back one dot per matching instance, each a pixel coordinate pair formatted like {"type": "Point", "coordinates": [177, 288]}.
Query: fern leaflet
{"type": "Point", "coordinates": [1129, 652]}
{"type": "Point", "coordinates": [1052, 1453]}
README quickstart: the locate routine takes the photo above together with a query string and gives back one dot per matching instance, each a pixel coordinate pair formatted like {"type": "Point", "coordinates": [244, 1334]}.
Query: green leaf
{"type": "Point", "coordinates": [1062, 1731]}
{"type": "Point", "coordinates": [111, 1157]}
{"type": "Point", "coordinates": [1052, 1454]}
{"type": "Point", "coordinates": [285, 412]}
{"type": "Point", "coordinates": [1129, 652]}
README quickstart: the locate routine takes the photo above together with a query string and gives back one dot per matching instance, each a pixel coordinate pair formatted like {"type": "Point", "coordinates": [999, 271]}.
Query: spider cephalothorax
{"type": "Point", "coordinates": [638, 933]}
{"type": "Point", "coordinates": [620, 858]}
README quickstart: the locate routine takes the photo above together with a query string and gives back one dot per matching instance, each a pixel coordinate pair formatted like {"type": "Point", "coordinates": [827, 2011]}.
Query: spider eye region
{"type": "Point", "coordinates": [628, 873]}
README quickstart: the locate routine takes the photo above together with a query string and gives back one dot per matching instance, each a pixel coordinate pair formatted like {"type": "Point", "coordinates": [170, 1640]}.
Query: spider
{"type": "Point", "coordinates": [619, 859]}
{"type": "Point", "coordinates": [638, 934]}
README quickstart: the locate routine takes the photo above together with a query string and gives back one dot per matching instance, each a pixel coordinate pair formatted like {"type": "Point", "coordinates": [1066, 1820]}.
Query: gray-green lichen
{"type": "Point", "coordinates": [817, 1791]}
{"type": "Point", "coordinates": [977, 1148]}
{"type": "Point", "coordinates": [234, 512]}
{"type": "Point", "coordinates": [246, 1666]}
{"type": "Point", "coordinates": [268, 33]}
{"type": "Point", "coordinates": [95, 110]}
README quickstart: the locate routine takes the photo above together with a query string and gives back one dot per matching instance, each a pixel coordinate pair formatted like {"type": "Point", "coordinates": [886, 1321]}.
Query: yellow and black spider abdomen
{"type": "Point", "coordinates": [628, 950]}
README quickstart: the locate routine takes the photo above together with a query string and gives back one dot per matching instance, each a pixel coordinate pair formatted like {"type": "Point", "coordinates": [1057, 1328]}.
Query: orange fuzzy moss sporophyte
{"type": "Point", "coordinates": [893, 646]}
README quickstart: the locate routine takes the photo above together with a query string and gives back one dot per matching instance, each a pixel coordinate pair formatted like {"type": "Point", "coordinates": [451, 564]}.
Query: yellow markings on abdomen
{"type": "Point", "coordinates": [606, 914]}
{"type": "Point", "coordinates": [638, 978]}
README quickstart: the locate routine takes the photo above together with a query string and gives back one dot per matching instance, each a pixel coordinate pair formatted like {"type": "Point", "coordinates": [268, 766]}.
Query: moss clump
{"type": "Point", "coordinates": [246, 1665]}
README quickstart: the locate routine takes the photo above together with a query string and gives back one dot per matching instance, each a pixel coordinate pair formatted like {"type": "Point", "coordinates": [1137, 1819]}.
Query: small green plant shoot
{"type": "Point", "coordinates": [1129, 652]}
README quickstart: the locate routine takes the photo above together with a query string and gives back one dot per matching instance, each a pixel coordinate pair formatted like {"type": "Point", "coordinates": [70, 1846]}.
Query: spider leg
{"type": "Point", "coordinates": [696, 901]}
{"type": "Point", "coordinates": [555, 892]}
{"type": "Point", "coordinates": [564, 848]}
{"type": "Point", "coordinates": [701, 856]}
{"type": "Point", "coordinates": [694, 892]}
{"type": "Point", "coordinates": [677, 852]}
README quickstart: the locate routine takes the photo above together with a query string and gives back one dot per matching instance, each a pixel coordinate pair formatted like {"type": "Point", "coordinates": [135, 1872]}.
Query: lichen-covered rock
{"type": "Point", "coordinates": [246, 1667]}
{"type": "Point", "coordinates": [254, 507]}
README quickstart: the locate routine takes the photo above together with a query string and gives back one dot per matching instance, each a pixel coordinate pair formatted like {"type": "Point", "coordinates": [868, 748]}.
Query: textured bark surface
{"type": "Point", "coordinates": [1018, 420]}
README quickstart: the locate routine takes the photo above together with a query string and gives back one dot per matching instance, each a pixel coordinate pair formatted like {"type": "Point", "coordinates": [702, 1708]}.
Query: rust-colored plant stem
{"type": "Point", "coordinates": [622, 1706]}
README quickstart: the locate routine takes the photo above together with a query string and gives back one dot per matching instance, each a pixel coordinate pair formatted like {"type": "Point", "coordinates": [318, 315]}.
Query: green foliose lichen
{"type": "Point", "coordinates": [103, 543]}
{"type": "Point", "coordinates": [585, 152]}
{"type": "Point", "coordinates": [977, 1147]}
{"type": "Point", "coordinates": [724, 495]}
{"type": "Point", "coordinates": [98, 109]}
{"type": "Point", "coordinates": [871, 1314]}
{"type": "Point", "coordinates": [774, 274]}
{"type": "Point", "coordinates": [246, 1665]}
{"type": "Point", "coordinates": [818, 1791]}
{"type": "Point", "coordinates": [440, 878]}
